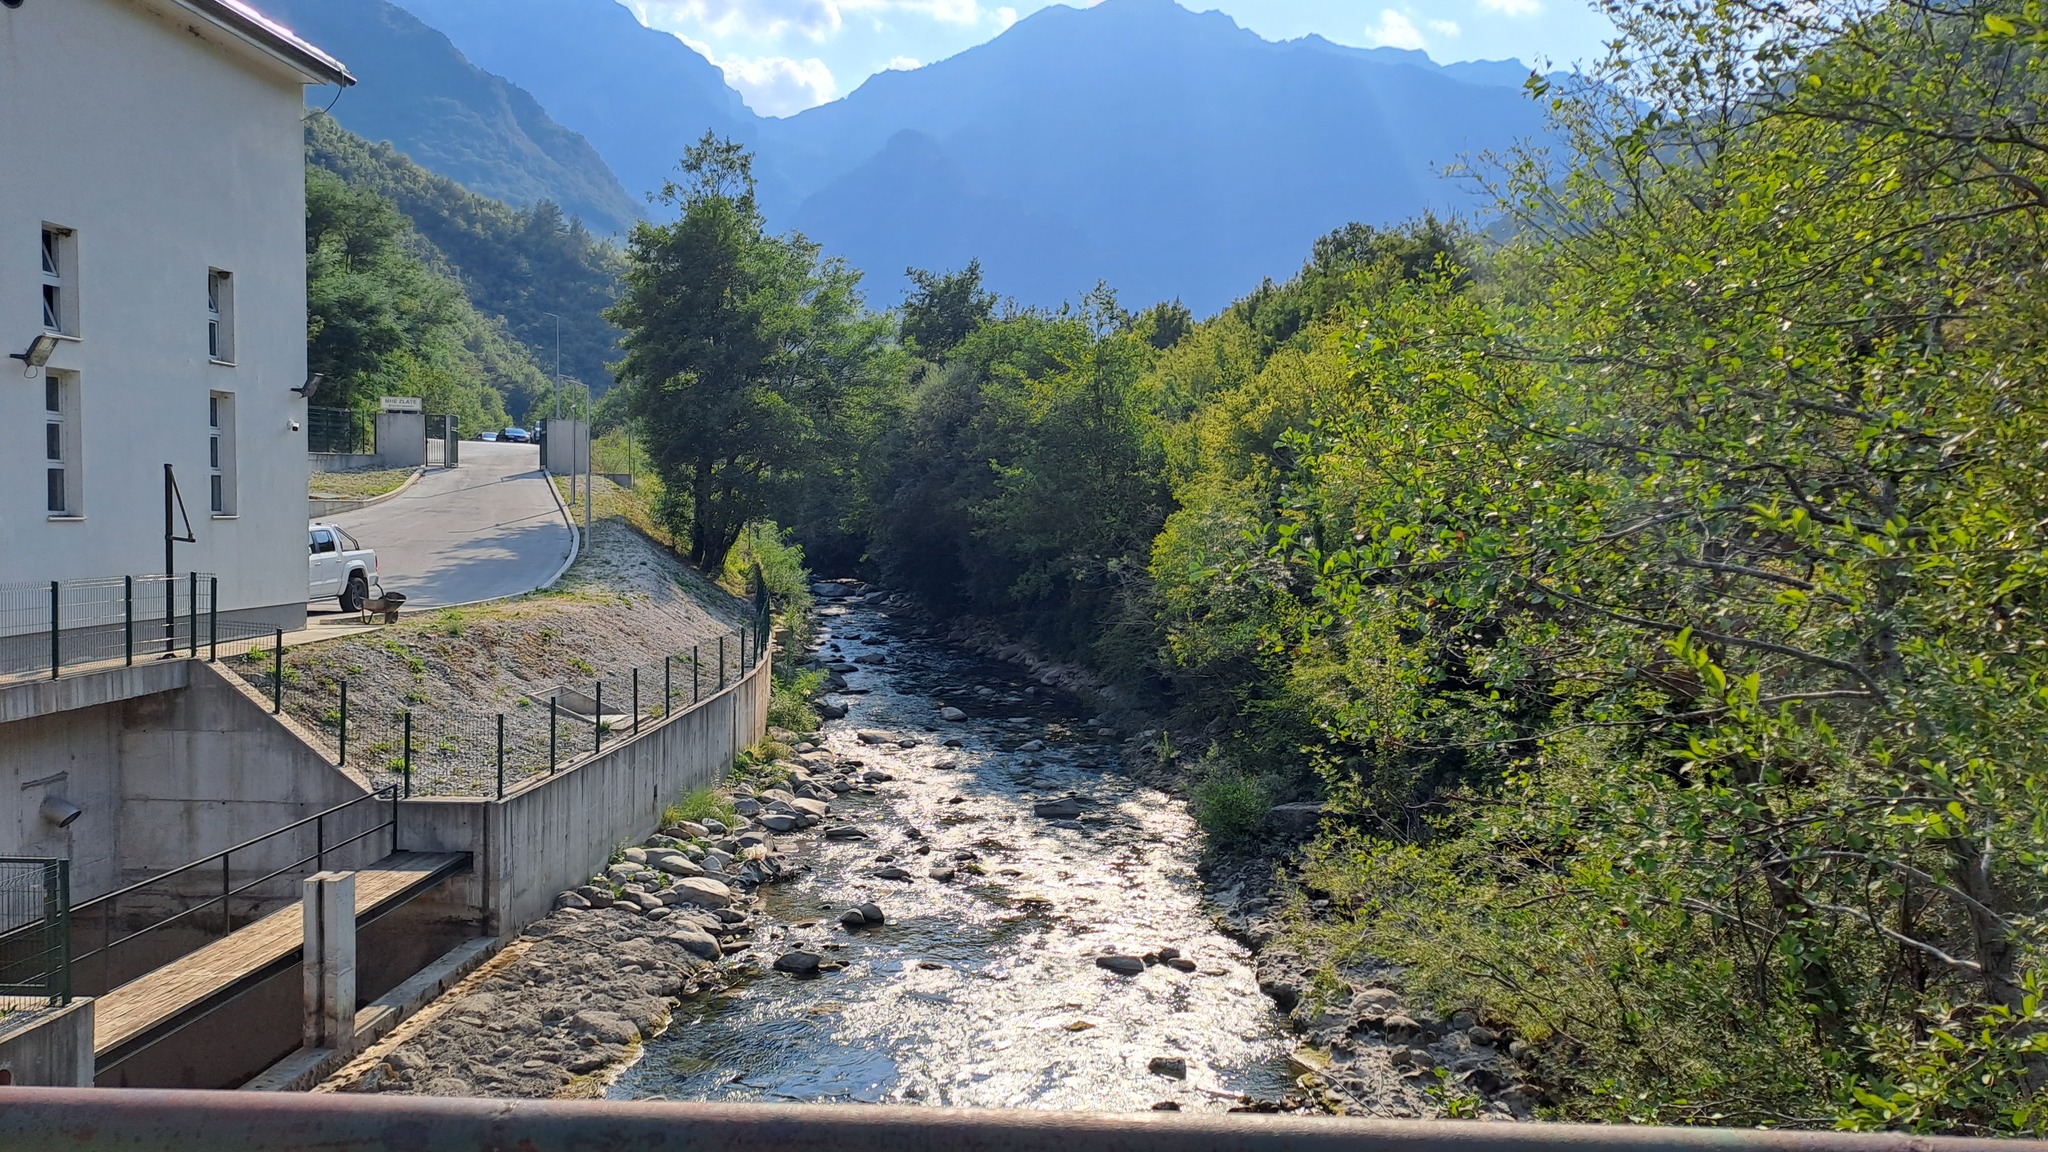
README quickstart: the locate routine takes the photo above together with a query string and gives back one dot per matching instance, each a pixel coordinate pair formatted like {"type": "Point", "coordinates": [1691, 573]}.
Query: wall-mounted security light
{"type": "Point", "coordinates": [39, 351]}
{"type": "Point", "coordinates": [60, 812]}
{"type": "Point", "coordinates": [305, 391]}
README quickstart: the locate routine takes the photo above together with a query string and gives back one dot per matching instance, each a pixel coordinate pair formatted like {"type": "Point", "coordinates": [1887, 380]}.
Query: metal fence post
{"type": "Point", "coordinates": [636, 699]}
{"type": "Point", "coordinates": [212, 619]}
{"type": "Point", "coordinates": [554, 704]}
{"type": "Point", "coordinates": [227, 911]}
{"type": "Point", "coordinates": [668, 686]}
{"type": "Point", "coordinates": [407, 768]}
{"type": "Point", "coordinates": [192, 616]}
{"type": "Point", "coordinates": [57, 931]}
{"type": "Point", "coordinates": [170, 616]}
{"type": "Point", "coordinates": [696, 667]}
{"type": "Point", "coordinates": [55, 608]}
{"type": "Point", "coordinates": [597, 717]}
{"type": "Point", "coordinates": [721, 663]}
{"type": "Point", "coordinates": [343, 758]}
{"type": "Point", "coordinates": [277, 675]}
{"type": "Point", "coordinates": [501, 755]}
{"type": "Point", "coordinates": [128, 619]}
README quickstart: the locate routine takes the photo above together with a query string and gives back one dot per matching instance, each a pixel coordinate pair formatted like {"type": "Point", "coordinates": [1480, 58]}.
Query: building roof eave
{"type": "Point", "coordinates": [246, 23]}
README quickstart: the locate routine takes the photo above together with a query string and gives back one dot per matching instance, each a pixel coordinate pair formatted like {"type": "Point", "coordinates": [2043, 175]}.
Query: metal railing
{"type": "Point", "coordinates": [211, 882]}
{"type": "Point", "coordinates": [48, 626]}
{"type": "Point", "coordinates": [84, 1120]}
{"type": "Point", "coordinates": [336, 431]}
{"type": "Point", "coordinates": [459, 752]}
{"type": "Point", "coordinates": [35, 932]}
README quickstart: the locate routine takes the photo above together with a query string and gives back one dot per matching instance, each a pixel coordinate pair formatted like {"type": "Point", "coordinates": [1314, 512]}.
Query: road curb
{"type": "Point", "coordinates": [575, 535]}
{"type": "Point", "coordinates": [358, 505]}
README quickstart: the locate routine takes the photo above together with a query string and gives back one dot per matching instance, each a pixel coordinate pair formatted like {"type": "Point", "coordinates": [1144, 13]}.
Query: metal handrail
{"type": "Point", "coordinates": [223, 858]}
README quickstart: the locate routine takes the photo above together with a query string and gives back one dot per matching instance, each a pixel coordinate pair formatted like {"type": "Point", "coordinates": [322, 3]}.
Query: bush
{"type": "Point", "coordinates": [1229, 802]}
{"type": "Point", "coordinates": [789, 703]}
{"type": "Point", "coordinates": [699, 805]}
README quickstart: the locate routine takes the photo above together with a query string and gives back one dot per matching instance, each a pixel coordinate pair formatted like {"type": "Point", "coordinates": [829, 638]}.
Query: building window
{"type": "Point", "coordinates": [220, 316]}
{"type": "Point", "coordinates": [60, 280]}
{"type": "Point", "coordinates": [60, 444]}
{"type": "Point", "coordinates": [220, 452]}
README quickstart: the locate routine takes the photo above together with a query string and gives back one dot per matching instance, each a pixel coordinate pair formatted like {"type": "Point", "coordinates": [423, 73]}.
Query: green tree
{"type": "Point", "coordinates": [944, 308]}
{"type": "Point", "coordinates": [741, 349]}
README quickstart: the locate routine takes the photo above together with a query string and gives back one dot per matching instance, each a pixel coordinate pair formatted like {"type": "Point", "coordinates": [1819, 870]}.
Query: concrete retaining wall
{"type": "Point", "coordinates": [555, 831]}
{"type": "Point", "coordinates": [48, 1047]}
{"type": "Point", "coordinates": [171, 761]}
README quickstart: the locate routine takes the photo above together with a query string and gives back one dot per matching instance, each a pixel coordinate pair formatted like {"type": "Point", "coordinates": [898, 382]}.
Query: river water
{"type": "Point", "coordinates": [982, 991]}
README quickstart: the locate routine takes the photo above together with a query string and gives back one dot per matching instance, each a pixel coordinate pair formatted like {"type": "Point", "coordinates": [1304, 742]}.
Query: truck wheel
{"type": "Point", "coordinates": [358, 591]}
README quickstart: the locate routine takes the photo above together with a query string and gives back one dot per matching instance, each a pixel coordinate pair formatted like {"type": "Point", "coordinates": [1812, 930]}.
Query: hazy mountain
{"type": "Point", "coordinates": [1171, 153]}
{"type": "Point", "coordinates": [640, 96]}
{"type": "Point", "coordinates": [418, 92]}
{"type": "Point", "coordinates": [1189, 157]}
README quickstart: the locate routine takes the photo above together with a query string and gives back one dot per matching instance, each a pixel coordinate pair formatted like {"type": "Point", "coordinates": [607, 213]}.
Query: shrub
{"type": "Point", "coordinates": [699, 805]}
{"type": "Point", "coordinates": [1229, 802]}
{"type": "Point", "coordinates": [789, 704]}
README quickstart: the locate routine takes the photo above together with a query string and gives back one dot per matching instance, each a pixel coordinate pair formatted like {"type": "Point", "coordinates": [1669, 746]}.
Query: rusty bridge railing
{"type": "Point", "coordinates": [92, 1119]}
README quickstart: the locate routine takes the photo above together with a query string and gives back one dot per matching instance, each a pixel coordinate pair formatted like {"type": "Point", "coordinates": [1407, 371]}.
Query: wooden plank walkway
{"type": "Point", "coordinates": [163, 996]}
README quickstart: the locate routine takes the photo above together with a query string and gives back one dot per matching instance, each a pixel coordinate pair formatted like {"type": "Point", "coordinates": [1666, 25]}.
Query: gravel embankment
{"type": "Point", "coordinates": [623, 604]}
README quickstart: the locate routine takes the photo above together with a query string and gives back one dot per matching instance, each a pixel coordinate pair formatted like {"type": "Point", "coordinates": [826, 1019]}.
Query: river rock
{"type": "Point", "coordinates": [952, 715]}
{"type": "Point", "coordinates": [607, 1027]}
{"type": "Point", "coordinates": [697, 942]}
{"type": "Point", "coordinates": [807, 806]}
{"type": "Point", "coordinates": [890, 873]}
{"type": "Point", "coordinates": [1121, 965]}
{"type": "Point", "coordinates": [873, 912]}
{"type": "Point", "coordinates": [702, 891]}
{"type": "Point", "coordinates": [871, 737]}
{"type": "Point", "coordinates": [1065, 808]}
{"type": "Point", "coordinates": [572, 900]}
{"type": "Point", "coordinates": [634, 856]}
{"type": "Point", "coordinates": [853, 918]}
{"type": "Point", "coordinates": [940, 872]}
{"type": "Point", "coordinates": [779, 822]}
{"type": "Point", "coordinates": [1179, 963]}
{"type": "Point", "coordinates": [746, 807]}
{"type": "Point", "coordinates": [845, 832]}
{"type": "Point", "coordinates": [673, 863]}
{"type": "Point", "coordinates": [1170, 1066]}
{"type": "Point", "coordinates": [798, 963]}
{"type": "Point", "coordinates": [833, 711]}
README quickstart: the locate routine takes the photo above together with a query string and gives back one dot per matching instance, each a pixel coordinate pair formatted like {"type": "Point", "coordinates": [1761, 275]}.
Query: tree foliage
{"type": "Point", "coordinates": [741, 351]}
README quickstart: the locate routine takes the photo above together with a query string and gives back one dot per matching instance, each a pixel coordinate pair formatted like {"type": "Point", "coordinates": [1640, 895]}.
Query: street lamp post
{"type": "Point", "coordinates": [558, 363]}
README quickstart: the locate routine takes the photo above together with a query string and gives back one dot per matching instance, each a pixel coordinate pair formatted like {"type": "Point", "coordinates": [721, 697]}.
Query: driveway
{"type": "Point", "coordinates": [486, 529]}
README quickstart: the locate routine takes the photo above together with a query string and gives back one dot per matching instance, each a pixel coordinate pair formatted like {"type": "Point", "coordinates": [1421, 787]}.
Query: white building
{"type": "Point", "coordinates": [152, 220]}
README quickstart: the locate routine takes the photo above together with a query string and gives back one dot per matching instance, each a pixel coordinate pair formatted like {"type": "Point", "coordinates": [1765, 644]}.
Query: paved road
{"type": "Point", "coordinates": [486, 529]}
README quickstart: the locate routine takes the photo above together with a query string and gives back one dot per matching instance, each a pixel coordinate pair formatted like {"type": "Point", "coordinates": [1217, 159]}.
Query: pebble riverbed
{"type": "Point", "coordinates": [983, 988]}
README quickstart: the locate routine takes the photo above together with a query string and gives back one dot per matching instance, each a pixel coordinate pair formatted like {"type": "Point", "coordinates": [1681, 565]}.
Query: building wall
{"type": "Point", "coordinates": [169, 155]}
{"type": "Point", "coordinates": [48, 1049]}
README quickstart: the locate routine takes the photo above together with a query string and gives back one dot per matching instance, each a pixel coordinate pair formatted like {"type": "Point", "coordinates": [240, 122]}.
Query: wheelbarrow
{"type": "Point", "coordinates": [385, 604]}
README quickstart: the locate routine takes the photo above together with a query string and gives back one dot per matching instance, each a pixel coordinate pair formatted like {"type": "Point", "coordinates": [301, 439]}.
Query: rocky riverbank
{"type": "Point", "coordinates": [675, 918]}
{"type": "Point", "coordinates": [1365, 1048]}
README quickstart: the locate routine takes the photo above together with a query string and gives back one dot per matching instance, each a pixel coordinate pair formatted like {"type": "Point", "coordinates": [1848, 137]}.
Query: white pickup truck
{"type": "Point", "coordinates": [339, 567]}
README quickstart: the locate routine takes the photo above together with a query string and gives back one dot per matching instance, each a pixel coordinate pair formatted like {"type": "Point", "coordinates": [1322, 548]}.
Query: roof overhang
{"type": "Point", "coordinates": [242, 24]}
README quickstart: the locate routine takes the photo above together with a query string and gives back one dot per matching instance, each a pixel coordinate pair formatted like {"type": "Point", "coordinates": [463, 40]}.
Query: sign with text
{"type": "Point", "coordinates": [402, 404]}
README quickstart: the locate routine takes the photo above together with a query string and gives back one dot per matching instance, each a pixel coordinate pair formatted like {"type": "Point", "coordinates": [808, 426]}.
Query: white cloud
{"type": "Point", "coordinates": [1513, 7]}
{"type": "Point", "coordinates": [815, 20]}
{"type": "Point", "coordinates": [768, 19]}
{"type": "Point", "coordinates": [1397, 31]}
{"type": "Point", "coordinates": [774, 85]}
{"type": "Point", "coordinates": [1446, 28]}
{"type": "Point", "coordinates": [905, 63]}
{"type": "Point", "coordinates": [1006, 16]}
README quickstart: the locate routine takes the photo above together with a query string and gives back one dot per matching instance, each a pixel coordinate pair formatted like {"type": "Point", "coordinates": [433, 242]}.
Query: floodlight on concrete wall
{"type": "Point", "coordinates": [305, 391]}
{"type": "Point", "coordinates": [61, 812]}
{"type": "Point", "coordinates": [39, 351]}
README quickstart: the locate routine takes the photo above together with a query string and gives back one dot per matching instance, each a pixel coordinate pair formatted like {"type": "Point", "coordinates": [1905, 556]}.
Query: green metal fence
{"type": "Point", "coordinates": [35, 932]}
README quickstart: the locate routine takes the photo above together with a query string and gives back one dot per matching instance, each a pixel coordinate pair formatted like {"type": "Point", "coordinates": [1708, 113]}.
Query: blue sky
{"type": "Point", "coordinates": [788, 55]}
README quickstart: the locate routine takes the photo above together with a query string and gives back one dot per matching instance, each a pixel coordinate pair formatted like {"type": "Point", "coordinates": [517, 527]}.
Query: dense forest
{"type": "Point", "coordinates": [419, 283]}
{"type": "Point", "coordinates": [1652, 596]}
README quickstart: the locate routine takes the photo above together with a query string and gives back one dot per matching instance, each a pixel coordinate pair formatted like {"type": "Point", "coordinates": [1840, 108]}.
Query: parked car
{"type": "Point", "coordinates": [338, 566]}
{"type": "Point", "coordinates": [487, 437]}
{"type": "Point", "coordinates": [515, 436]}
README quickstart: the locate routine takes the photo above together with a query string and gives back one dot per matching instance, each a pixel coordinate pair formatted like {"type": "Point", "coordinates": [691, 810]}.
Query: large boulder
{"type": "Point", "coordinates": [702, 891]}
{"type": "Point", "coordinates": [1064, 808]}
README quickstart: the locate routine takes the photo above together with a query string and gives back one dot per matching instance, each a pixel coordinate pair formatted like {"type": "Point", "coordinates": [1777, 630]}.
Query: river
{"type": "Point", "coordinates": [983, 990]}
